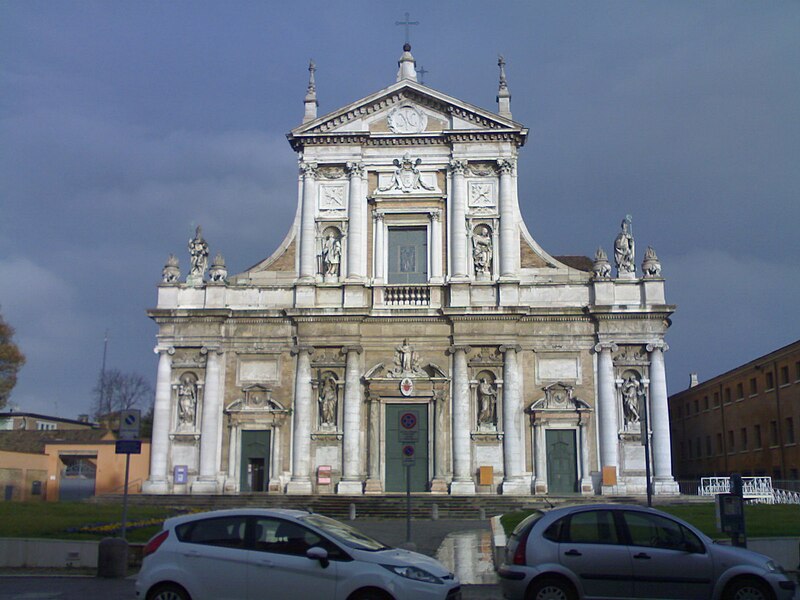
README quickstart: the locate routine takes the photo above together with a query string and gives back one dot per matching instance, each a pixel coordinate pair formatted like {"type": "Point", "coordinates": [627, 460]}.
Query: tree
{"type": "Point", "coordinates": [11, 361]}
{"type": "Point", "coordinates": [116, 391]}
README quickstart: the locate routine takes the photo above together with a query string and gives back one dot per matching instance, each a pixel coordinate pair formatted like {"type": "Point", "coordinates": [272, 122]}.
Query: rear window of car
{"type": "Point", "coordinates": [526, 524]}
{"type": "Point", "coordinates": [220, 531]}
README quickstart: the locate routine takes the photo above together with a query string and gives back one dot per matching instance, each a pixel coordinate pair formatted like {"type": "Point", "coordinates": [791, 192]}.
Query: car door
{"type": "Point", "coordinates": [213, 553]}
{"type": "Point", "coordinates": [590, 546]}
{"type": "Point", "coordinates": [669, 560]}
{"type": "Point", "coordinates": [278, 567]}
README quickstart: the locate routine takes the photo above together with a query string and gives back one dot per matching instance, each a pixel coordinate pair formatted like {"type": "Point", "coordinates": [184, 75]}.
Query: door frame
{"type": "Point", "coordinates": [576, 438]}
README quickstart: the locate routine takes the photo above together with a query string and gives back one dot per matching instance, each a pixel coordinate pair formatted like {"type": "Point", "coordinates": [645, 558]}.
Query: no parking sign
{"type": "Point", "coordinates": [409, 426]}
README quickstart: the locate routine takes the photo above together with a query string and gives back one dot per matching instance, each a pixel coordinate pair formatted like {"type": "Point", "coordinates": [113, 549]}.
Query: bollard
{"type": "Point", "coordinates": [112, 558]}
{"type": "Point", "coordinates": [482, 513]}
{"type": "Point", "coordinates": [435, 512]}
{"type": "Point", "coordinates": [352, 511]}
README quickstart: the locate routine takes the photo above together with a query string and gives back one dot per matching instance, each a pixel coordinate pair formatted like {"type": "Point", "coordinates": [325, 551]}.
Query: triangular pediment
{"type": "Point", "coordinates": [407, 108]}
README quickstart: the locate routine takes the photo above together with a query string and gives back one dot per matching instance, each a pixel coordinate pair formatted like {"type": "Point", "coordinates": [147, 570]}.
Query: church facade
{"type": "Point", "coordinates": [410, 330]}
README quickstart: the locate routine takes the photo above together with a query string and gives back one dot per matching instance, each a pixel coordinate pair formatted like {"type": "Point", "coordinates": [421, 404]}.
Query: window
{"type": "Point", "coordinates": [785, 375]}
{"type": "Point", "coordinates": [727, 395]}
{"type": "Point", "coordinates": [45, 426]}
{"type": "Point", "coordinates": [731, 444]}
{"type": "Point", "coordinates": [753, 386]}
{"type": "Point", "coordinates": [655, 531]}
{"type": "Point", "coordinates": [757, 435]}
{"type": "Point", "coordinates": [591, 527]}
{"type": "Point", "coordinates": [696, 406]}
{"type": "Point", "coordinates": [743, 436]}
{"type": "Point", "coordinates": [716, 398]}
{"type": "Point", "coordinates": [789, 430]}
{"type": "Point", "coordinates": [285, 537]}
{"type": "Point", "coordinates": [739, 391]}
{"type": "Point", "coordinates": [797, 371]}
{"type": "Point", "coordinates": [770, 381]}
{"type": "Point", "coordinates": [708, 445]}
{"type": "Point", "coordinates": [224, 531]}
{"type": "Point", "coordinates": [705, 402]}
{"type": "Point", "coordinates": [773, 433]}
{"type": "Point", "coordinates": [408, 255]}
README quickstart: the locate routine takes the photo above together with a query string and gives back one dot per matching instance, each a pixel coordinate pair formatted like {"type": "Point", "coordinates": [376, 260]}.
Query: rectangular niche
{"type": "Point", "coordinates": [558, 367]}
{"type": "Point", "coordinates": [258, 370]}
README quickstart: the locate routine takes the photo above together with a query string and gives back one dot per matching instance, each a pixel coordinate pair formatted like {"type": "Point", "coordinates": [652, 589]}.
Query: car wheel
{"type": "Point", "coordinates": [168, 591]}
{"type": "Point", "coordinates": [551, 589]}
{"type": "Point", "coordinates": [747, 589]}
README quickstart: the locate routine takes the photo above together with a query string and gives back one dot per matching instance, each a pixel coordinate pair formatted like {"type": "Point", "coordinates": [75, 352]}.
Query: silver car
{"type": "Point", "coordinates": [249, 554]}
{"type": "Point", "coordinates": [620, 551]}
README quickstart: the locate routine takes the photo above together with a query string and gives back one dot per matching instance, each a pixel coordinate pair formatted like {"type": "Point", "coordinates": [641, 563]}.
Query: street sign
{"type": "Point", "coordinates": [129, 447]}
{"type": "Point", "coordinates": [409, 426]}
{"type": "Point", "coordinates": [408, 455]}
{"type": "Point", "coordinates": [129, 424]}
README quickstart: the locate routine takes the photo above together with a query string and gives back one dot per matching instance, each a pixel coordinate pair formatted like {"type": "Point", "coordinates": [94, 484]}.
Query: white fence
{"type": "Point", "coordinates": [755, 489]}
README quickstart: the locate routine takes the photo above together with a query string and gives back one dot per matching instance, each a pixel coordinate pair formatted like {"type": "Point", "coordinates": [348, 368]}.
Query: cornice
{"type": "Point", "coordinates": [632, 316]}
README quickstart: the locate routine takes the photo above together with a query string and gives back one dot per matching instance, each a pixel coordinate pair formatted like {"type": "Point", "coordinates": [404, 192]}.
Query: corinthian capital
{"type": "Point", "coordinates": [308, 169]}
{"type": "Point", "coordinates": [458, 167]}
{"type": "Point", "coordinates": [505, 166]}
{"type": "Point", "coordinates": [355, 169]}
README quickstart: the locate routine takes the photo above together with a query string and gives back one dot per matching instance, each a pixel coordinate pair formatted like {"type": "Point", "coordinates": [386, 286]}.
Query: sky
{"type": "Point", "coordinates": [124, 125]}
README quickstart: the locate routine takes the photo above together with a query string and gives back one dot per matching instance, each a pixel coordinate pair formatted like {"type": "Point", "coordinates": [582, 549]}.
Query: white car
{"type": "Point", "coordinates": [249, 554]}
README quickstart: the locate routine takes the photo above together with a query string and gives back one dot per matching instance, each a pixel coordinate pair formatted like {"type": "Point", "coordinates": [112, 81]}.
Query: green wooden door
{"type": "Point", "coordinates": [254, 461]}
{"type": "Point", "coordinates": [562, 461]}
{"type": "Point", "coordinates": [406, 427]}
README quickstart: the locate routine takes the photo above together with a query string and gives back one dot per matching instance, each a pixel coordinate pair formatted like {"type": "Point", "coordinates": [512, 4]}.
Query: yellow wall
{"type": "Point", "coordinates": [20, 470]}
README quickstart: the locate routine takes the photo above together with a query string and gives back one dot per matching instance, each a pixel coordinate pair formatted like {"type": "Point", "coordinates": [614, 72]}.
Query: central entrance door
{"type": "Point", "coordinates": [562, 460]}
{"type": "Point", "coordinates": [254, 459]}
{"type": "Point", "coordinates": [406, 440]}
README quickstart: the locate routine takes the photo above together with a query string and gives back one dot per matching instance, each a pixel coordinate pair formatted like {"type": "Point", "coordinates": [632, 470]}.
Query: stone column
{"type": "Point", "coordinates": [509, 230]}
{"type": "Point", "coordinates": [463, 482]}
{"type": "Point", "coordinates": [436, 246]}
{"type": "Point", "coordinates": [356, 206]}
{"type": "Point", "coordinates": [439, 485]}
{"type": "Point", "coordinates": [159, 449]}
{"type": "Point", "coordinates": [379, 247]}
{"type": "Point", "coordinates": [587, 488]}
{"type": "Point", "coordinates": [607, 406]}
{"type": "Point", "coordinates": [209, 434]}
{"type": "Point", "coordinates": [308, 234]}
{"type": "Point", "coordinates": [663, 482]}
{"type": "Point", "coordinates": [513, 480]}
{"type": "Point", "coordinates": [540, 459]}
{"type": "Point", "coordinates": [373, 485]}
{"type": "Point", "coordinates": [303, 415]}
{"type": "Point", "coordinates": [458, 207]}
{"type": "Point", "coordinates": [351, 482]}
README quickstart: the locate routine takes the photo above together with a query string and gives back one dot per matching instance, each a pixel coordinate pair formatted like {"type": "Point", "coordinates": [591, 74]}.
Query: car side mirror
{"type": "Point", "coordinates": [320, 554]}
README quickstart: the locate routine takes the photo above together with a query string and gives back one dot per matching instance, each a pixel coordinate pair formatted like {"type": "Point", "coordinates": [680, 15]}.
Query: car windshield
{"type": "Point", "coordinates": [349, 536]}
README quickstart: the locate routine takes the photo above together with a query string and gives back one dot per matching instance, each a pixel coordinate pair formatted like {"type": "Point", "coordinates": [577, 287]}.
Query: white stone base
{"type": "Point", "coordinates": [509, 293]}
{"type": "Point", "coordinates": [587, 488]}
{"type": "Point", "coordinates": [155, 487]}
{"type": "Point", "coordinates": [515, 487]}
{"type": "Point", "coordinates": [614, 490]}
{"type": "Point", "coordinates": [666, 487]}
{"type": "Point", "coordinates": [350, 488]}
{"type": "Point", "coordinates": [459, 294]}
{"type": "Point", "coordinates": [298, 488]}
{"type": "Point", "coordinates": [462, 488]}
{"type": "Point", "coordinates": [204, 486]}
{"type": "Point", "coordinates": [304, 295]}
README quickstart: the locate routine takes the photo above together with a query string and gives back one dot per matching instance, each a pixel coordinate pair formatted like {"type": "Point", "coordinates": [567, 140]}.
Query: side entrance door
{"type": "Point", "coordinates": [254, 460]}
{"type": "Point", "coordinates": [406, 438]}
{"type": "Point", "coordinates": [562, 461]}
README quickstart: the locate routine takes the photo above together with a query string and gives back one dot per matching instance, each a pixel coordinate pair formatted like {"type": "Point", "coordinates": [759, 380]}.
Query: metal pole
{"type": "Point", "coordinates": [408, 503]}
{"type": "Point", "coordinates": [125, 495]}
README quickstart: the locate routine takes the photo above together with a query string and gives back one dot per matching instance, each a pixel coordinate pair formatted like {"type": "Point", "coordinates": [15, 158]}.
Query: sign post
{"type": "Point", "coordinates": [128, 443]}
{"type": "Point", "coordinates": [409, 435]}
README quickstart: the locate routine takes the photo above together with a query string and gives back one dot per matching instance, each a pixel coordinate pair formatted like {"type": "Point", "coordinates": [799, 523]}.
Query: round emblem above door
{"type": "Point", "coordinates": [406, 387]}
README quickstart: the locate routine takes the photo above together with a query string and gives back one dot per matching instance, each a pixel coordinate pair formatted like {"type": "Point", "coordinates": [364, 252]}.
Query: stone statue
{"type": "Point", "coordinates": [651, 266]}
{"type": "Point", "coordinates": [624, 249]}
{"type": "Point", "coordinates": [187, 401]}
{"type": "Point", "coordinates": [406, 176]}
{"type": "Point", "coordinates": [406, 361]}
{"type": "Point", "coordinates": [631, 392]}
{"type": "Point", "coordinates": [327, 403]}
{"type": "Point", "coordinates": [487, 402]}
{"type": "Point", "coordinates": [218, 273]}
{"type": "Point", "coordinates": [601, 267]}
{"type": "Point", "coordinates": [171, 273]}
{"type": "Point", "coordinates": [482, 250]}
{"type": "Point", "coordinates": [331, 254]}
{"type": "Point", "coordinates": [198, 251]}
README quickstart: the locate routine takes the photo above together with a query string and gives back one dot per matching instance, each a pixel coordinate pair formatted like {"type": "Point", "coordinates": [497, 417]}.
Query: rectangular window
{"type": "Point", "coordinates": [696, 406]}
{"type": "Point", "coordinates": [716, 398]}
{"type": "Point", "coordinates": [773, 433]}
{"type": "Point", "coordinates": [727, 395]}
{"type": "Point", "coordinates": [705, 402]}
{"type": "Point", "coordinates": [44, 426]}
{"type": "Point", "coordinates": [408, 255]}
{"type": "Point", "coordinates": [784, 375]}
{"type": "Point", "coordinates": [757, 435]}
{"type": "Point", "coordinates": [770, 381]}
{"type": "Point", "coordinates": [789, 430]}
{"type": "Point", "coordinates": [743, 437]}
{"type": "Point", "coordinates": [739, 391]}
{"type": "Point", "coordinates": [753, 386]}
{"type": "Point", "coordinates": [731, 443]}
{"type": "Point", "coordinates": [797, 371]}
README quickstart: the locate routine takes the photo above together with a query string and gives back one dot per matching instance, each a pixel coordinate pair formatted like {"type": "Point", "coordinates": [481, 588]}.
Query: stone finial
{"type": "Point", "coordinates": [601, 268]}
{"type": "Point", "coordinates": [218, 273]}
{"type": "Point", "coordinates": [407, 65]}
{"type": "Point", "coordinates": [171, 272]}
{"type": "Point", "coordinates": [503, 94]}
{"type": "Point", "coordinates": [651, 266]}
{"type": "Point", "coordinates": [311, 95]}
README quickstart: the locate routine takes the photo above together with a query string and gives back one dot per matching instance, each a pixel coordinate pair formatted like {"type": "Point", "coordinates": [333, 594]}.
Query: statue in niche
{"type": "Point", "coordinates": [487, 402]}
{"type": "Point", "coordinates": [331, 254]}
{"type": "Point", "coordinates": [198, 251]}
{"type": "Point", "coordinates": [482, 250]}
{"type": "Point", "coordinates": [601, 267]}
{"type": "Point", "coordinates": [631, 394]}
{"type": "Point", "coordinates": [327, 403]}
{"type": "Point", "coordinates": [624, 248]}
{"type": "Point", "coordinates": [187, 401]}
{"type": "Point", "coordinates": [406, 176]}
{"type": "Point", "coordinates": [651, 266]}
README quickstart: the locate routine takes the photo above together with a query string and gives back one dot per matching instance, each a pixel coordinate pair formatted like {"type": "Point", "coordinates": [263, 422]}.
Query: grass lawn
{"type": "Point", "coordinates": [761, 520]}
{"type": "Point", "coordinates": [78, 521]}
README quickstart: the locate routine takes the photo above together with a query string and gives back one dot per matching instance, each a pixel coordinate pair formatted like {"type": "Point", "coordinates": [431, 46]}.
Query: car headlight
{"type": "Point", "coordinates": [414, 573]}
{"type": "Point", "coordinates": [773, 567]}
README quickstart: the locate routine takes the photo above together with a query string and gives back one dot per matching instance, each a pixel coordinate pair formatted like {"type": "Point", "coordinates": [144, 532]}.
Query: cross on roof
{"type": "Point", "coordinates": [407, 24]}
{"type": "Point", "coordinates": [422, 70]}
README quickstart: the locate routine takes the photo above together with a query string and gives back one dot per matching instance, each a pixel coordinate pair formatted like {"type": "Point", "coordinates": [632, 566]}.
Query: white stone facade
{"type": "Point", "coordinates": [409, 323]}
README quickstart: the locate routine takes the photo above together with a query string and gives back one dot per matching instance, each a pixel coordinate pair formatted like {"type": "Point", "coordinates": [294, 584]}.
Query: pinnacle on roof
{"type": "Point", "coordinates": [407, 65]}
{"type": "Point", "coordinates": [503, 95]}
{"type": "Point", "coordinates": [311, 95]}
